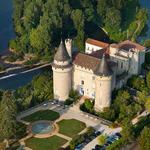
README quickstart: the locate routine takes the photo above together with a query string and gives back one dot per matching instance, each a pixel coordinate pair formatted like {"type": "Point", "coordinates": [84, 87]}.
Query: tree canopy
{"type": "Point", "coordinates": [39, 24]}
{"type": "Point", "coordinates": [8, 111]}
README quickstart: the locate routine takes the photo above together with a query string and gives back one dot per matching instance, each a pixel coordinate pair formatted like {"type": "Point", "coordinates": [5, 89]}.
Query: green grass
{"type": "Point", "coordinates": [70, 127]}
{"type": "Point", "coordinates": [42, 115]}
{"type": "Point", "coordinates": [51, 143]}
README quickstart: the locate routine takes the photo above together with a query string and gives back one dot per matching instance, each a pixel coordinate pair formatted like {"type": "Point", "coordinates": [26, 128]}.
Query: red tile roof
{"type": "Point", "coordinates": [97, 43]}
{"type": "Point", "coordinates": [126, 45]}
{"type": "Point", "coordinates": [88, 62]}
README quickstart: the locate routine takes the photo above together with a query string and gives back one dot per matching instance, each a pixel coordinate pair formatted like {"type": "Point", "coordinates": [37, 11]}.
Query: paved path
{"type": "Point", "coordinates": [135, 120]}
{"type": "Point", "coordinates": [64, 136]}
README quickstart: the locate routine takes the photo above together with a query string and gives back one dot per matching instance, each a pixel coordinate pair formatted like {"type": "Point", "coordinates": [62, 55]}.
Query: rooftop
{"type": "Point", "coordinates": [97, 43]}
{"type": "Point", "coordinates": [61, 54]}
{"type": "Point", "coordinates": [126, 45]}
{"type": "Point", "coordinates": [89, 62]}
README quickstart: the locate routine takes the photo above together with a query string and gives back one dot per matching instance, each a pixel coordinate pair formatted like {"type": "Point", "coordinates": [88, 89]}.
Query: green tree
{"type": "Point", "coordinates": [40, 38]}
{"type": "Point", "coordinates": [78, 19]}
{"type": "Point", "coordinates": [141, 97]}
{"type": "Point", "coordinates": [127, 131]}
{"type": "Point", "coordinates": [113, 18]}
{"type": "Point", "coordinates": [8, 113]}
{"type": "Point", "coordinates": [144, 139]}
{"type": "Point", "coordinates": [147, 104]}
{"type": "Point", "coordinates": [102, 139]}
{"type": "Point", "coordinates": [148, 79]}
{"type": "Point", "coordinates": [88, 105]}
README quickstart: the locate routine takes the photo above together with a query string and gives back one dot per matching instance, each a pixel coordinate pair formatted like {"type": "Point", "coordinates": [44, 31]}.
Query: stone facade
{"type": "Point", "coordinates": [98, 71]}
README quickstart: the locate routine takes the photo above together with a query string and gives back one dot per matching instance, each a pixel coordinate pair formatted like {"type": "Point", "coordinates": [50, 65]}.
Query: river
{"type": "Point", "coordinates": [146, 4]}
{"type": "Point", "coordinates": [7, 33]}
{"type": "Point", "coordinates": [6, 25]}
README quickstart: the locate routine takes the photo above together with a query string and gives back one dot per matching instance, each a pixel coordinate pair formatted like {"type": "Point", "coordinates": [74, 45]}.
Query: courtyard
{"type": "Point", "coordinates": [70, 122]}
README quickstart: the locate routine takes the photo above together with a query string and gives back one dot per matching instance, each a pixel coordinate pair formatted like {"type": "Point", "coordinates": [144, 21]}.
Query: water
{"type": "Point", "coordinates": [19, 80]}
{"type": "Point", "coordinates": [42, 128]}
{"type": "Point", "coordinates": [6, 24]}
{"type": "Point", "coordinates": [146, 4]}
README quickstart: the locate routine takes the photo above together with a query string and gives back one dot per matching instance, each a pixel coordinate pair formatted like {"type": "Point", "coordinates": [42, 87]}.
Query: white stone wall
{"type": "Point", "coordinates": [103, 91]}
{"type": "Point", "coordinates": [84, 75]}
{"type": "Point", "coordinates": [134, 62]}
{"type": "Point", "coordinates": [62, 83]}
{"type": "Point", "coordinates": [122, 64]}
{"type": "Point", "coordinates": [113, 50]}
{"type": "Point", "coordinates": [89, 48]}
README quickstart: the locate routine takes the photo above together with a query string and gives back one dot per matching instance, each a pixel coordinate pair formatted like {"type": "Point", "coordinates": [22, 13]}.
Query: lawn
{"type": "Point", "coordinates": [51, 143]}
{"type": "Point", "coordinates": [70, 127]}
{"type": "Point", "coordinates": [42, 115]}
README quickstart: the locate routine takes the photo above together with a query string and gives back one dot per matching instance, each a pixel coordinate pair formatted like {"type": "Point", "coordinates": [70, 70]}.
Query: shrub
{"type": "Point", "coordinates": [116, 145]}
{"type": "Point", "coordinates": [2, 68]}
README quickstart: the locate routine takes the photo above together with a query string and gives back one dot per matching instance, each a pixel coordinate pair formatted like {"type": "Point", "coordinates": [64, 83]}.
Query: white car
{"type": "Point", "coordinates": [45, 104]}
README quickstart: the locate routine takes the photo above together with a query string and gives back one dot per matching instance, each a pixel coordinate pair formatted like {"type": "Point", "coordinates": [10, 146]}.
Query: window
{"type": "Point", "coordinates": [121, 64]}
{"type": "Point", "coordinates": [82, 82]}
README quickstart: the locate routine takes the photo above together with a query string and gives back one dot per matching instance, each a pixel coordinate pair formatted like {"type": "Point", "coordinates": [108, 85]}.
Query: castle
{"type": "Point", "coordinates": [97, 72]}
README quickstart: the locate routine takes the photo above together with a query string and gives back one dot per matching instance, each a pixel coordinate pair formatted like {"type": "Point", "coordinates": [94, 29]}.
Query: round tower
{"type": "Point", "coordinates": [103, 85]}
{"type": "Point", "coordinates": [62, 73]}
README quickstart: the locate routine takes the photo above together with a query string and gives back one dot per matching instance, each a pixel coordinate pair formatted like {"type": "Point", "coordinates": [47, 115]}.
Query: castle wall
{"type": "Point", "coordinates": [89, 48]}
{"type": "Point", "coordinates": [122, 64]}
{"type": "Point", "coordinates": [83, 81]}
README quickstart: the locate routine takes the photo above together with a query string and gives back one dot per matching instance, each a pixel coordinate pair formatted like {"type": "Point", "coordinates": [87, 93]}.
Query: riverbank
{"type": "Point", "coordinates": [16, 70]}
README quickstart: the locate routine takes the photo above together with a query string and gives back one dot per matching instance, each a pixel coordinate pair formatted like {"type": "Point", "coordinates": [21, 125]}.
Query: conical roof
{"type": "Point", "coordinates": [61, 54]}
{"type": "Point", "coordinates": [103, 68]}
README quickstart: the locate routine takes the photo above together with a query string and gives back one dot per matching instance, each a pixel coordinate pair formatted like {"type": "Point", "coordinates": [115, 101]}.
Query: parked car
{"type": "Point", "coordinates": [97, 133]}
{"type": "Point", "coordinates": [118, 134]}
{"type": "Point", "coordinates": [98, 147]}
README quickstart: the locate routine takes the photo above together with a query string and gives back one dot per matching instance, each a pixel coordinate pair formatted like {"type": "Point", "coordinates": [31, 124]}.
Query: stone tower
{"type": "Point", "coordinates": [68, 43]}
{"type": "Point", "coordinates": [62, 73]}
{"type": "Point", "coordinates": [103, 85]}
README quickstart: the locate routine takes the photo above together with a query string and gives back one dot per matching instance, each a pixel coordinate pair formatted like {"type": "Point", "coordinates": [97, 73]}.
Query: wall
{"type": "Point", "coordinates": [90, 48]}
{"type": "Point", "coordinates": [86, 75]}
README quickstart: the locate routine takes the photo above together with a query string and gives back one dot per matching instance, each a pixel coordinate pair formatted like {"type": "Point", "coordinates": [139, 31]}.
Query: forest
{"type": "Point", "coordinates": [39, 24]}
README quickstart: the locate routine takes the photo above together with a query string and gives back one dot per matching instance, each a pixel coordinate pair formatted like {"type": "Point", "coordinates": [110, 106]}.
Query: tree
{"type": "Point", "coordinates": [141, 97]}
{"type": "Point", "coordinates": [40, 38]}
{"type": "Point", "coordinates": [8, 113]}
{"type": "Point", "coordinates": [113, 18]}
{"type": "Point", "coordinates": [148, 79]}
{"type": "Point", "coordinates": [88, 105]}
{"type": "Point", "coordinates": [78, 19]}
{"type": "Point", "coordinates": [147, 104]}
{"type": "Point", "coordinates": [102, 139]}
{"type": "Point", "coordinates": [147, 43]}
{"type": "Point", "coordinates": [127, 131]}
{"type": "Point", "coordinates": [136, 82]}
{"type": "Point", "coordinates": [144, 139]}
{"type": "Point", "coordinates": [101, 8]}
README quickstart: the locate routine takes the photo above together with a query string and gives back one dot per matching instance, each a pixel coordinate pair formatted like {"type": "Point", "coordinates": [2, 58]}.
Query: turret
{"type": "Point", "coordinates": [68, 43]}
{"type": "Point", "coordinates": [103, 85]}
{"type": "Point", "coordinates": [62, 73]}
